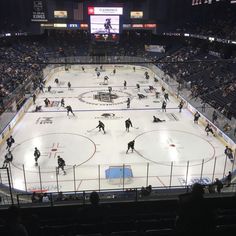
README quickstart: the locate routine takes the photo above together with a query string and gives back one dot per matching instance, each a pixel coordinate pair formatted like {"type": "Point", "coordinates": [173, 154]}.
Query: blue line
{"type": "Point", "coordinates": [113, 86]}
{"type": "Point", "coordinates": [91, 110]}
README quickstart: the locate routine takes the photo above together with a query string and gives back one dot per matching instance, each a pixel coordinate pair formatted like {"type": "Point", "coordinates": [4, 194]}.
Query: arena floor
{"type": "Point", "coordinates": [89, 153]}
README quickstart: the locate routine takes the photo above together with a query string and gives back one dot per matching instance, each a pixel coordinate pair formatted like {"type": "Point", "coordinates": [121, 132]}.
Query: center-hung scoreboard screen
{"type": "Point", "coordinates": [105, 22]}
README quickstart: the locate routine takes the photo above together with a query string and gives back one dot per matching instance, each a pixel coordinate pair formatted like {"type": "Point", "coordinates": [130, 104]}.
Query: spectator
{"type": "Point", "coordinates": [195, 215]}
{"type": "Point", "coordinates": [34, 197]}
{"type": "Point", "coordinates": [214, 117]}
{"type": "Point", "coordinates": [13, 224]}
{"type": "Point", "coordinates": [94, 198]}
{"type": "Point", "coordinates": [219, 185]}
{"type": "Point", "coordinates": [228, 179]}
{"type": "Point", "coordinates": [45, 198]}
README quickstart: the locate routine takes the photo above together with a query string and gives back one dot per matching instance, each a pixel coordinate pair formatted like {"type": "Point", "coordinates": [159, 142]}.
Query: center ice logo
{"type": "Point", "coordinates": [105, 97]}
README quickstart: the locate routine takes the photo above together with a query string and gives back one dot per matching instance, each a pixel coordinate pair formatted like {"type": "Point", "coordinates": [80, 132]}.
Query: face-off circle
{"type": "Point", "coordinates": [75, 149]}
{"type": "Point", "coordinates": [104, 98]}
{"type": "Point", "coordinates": [165, 146]}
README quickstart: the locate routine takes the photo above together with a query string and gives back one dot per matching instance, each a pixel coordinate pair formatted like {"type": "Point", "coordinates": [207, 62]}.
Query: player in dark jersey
{"type": "Point", "coordinates": [156, 119]}
{"type": "Point", "coordinates": [61, 165]}
{"type": "Point", "coordinates": [8, 159]}
{"type": "Point", "coordinates": [209, 129]}
{"type": "Point", "coordinates": [10, 141]}
{"type": "Point", "coordinates": [56, 81]}
{"type": "Point", "coordinates": [130, 146]}
{"type": "Point", "coordinates": [62, 102]}
{"type": "Point", "coordinates": [128, 124]}
{"type": "Point", "coordinates": [37, 154]}
{"type": "Point", "coordinates": [163, 107]}
{"type": "Point", "coordinates": [181, 104]}
{"type": "Point", "coordinates": [229, 153]}
{"type": "Point", "coordinates": [196, 117]}
{"type": "Point", "coordinates": [107, 25]}
{"type": "Point", "coordinates": [69, 110]}
{"type": "Point", "coordinates": [106, 78]}
{"type": "Point", "coordinates": [101, 126]}
{"type": "Point", "coordinates": [47, 102]}
{"type": "Point", "coordinates": [138, 87]}
{"type": "Point", "coordinates": [125, 84]}
{"type": "Point", "coordinates": [69, 85]}
{"type": "Point", "coordinates": [128, 103]}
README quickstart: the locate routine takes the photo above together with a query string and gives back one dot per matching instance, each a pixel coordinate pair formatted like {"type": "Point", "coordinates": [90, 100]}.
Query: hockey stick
{"type": "Point", "coordinates": [136, 127]}
{"type": "Point", "coordinates": [91, 130]}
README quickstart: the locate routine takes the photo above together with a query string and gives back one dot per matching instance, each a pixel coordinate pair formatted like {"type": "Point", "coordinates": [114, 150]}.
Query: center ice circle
{"type": "Point", "coordinates": [102, 97]}
{"type": "Point", "coordinates": [75, 149]}
{"type": "Point", "coordinates": [166, 146]}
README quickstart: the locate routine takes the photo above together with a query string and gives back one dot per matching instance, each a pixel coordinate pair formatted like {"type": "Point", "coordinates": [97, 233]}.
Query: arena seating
{"type": "Point", "coordinates": [214, 24]}
{"type": "Point", "coordinates": [130, 218]}
{"type": "Point", "coordinates": [214, 83]}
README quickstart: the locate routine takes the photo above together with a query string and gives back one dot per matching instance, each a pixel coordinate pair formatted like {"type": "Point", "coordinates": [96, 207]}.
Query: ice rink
{"type": "Point", "coordinates": [177, 147]}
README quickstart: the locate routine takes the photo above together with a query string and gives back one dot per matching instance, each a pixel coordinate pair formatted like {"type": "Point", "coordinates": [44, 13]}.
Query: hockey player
{"type": "Point", "coordinates": [62, 102]}
{"type": "Point", "coordinates": [49, 88]}
{"type": "Point", "coordinates": [106, 78]}
{"type": "Point", "coordinates": [130, 146]}
{"type": "Point", "coordinates": [10, 141]}
{"type": "Point", "coordinates": [98, 74]}
{"type": "Point", "coordinates": [128, 103]}
{"type": "Point", "coordinates": [141, 96]}
{"type": "Point", "coordinates": [83, 69]}
{"type": "Point", "coordinates": [56, 81]}
{"type": "Point", "coordinates": [128, 124]}
{"type": "Point", "coordinates": [209, 129]}
{"type": "Point", "coordinates": [134, 68]}
{"type": "Point", "coordinates": [109, 89]}
{"type": "Point", "coordinates": [125, 84]}
{"type": "Point", "coordinates": [38, 108]}
{"type": "Point", "coordinates": [138, 87]}
{"type": "Point", "coordinates": [41, 88]}
{"type": "Point", "coordinates": [166, 96]}
{"type": "Point", "coordinates": [69, 110]}
{"type": "Point", "coordinates": [101, 126]}
{"type": "Point", "coordinates": [229, 153]}
{"type": "Point", "coordinates": [8, 159]}
{"type": "Point", "coordinates": [151, 88]}
{"type": "Point", "coordinates": [61, 164]}
{"type": "Point", "coordinates": [163, 107]}
{"type": "Point", "coordinates": [107, 25]}
{"type": "Point", "coordinates": [34, 98]}
{"type": "Point", "coordinates": [146, 75]}
{"type": "Point", "coordinates": [114, 71]}
{"type": "Point", "coordinates": [69, 85]}
{"type": "Point", "coordinates": [101, 67]}
{"type": "Point", "coordinates": [47, 102]}
{"type": "Point", "coordinates": [196, 117]}
{"type": "Point", "coordinates": [37, 154]}
{"type": "Point", "coordinates": [156, 119]}
{"type": "Point", "coordinates": [181, 104]}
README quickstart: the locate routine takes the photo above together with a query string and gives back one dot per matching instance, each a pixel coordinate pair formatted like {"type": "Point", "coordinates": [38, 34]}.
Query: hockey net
{"type": "Point", "coordinates": [119, 175]}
